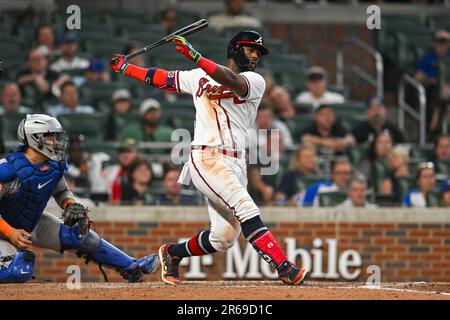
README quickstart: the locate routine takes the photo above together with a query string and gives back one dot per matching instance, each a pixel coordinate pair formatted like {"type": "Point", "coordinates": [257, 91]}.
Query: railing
{"type": "Point", "coordinates": [376, 81]}
{"type": "Point", "coordinates": [419, 116]}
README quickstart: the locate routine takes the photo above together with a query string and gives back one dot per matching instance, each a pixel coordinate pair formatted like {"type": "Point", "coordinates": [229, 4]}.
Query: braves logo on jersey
{"type": "Point", "coordinates": [216, 92]}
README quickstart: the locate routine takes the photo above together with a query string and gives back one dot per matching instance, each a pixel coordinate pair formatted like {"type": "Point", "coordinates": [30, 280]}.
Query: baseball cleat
{"type": "Point", "coordinates": [169, 266]}
{"type": "Point", "coordinates": [290, 274]}
{"type": "Point", "coordinates": [137, 269]}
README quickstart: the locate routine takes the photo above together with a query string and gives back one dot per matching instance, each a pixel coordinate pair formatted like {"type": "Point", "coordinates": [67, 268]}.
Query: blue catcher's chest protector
{"type": "Point", "coordinates": [23, 208]}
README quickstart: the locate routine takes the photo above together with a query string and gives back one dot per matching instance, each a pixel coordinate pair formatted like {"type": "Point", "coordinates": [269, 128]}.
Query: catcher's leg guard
{"type": "Point", "coordinates": [20, 269]}
{"type": "Point", "coordinates": [94, 248]}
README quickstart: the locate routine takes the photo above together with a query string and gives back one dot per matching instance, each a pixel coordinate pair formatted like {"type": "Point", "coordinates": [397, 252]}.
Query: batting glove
{"type": "Point", "coordinates": [184, 47]}
{"type": "Point", "coordinates": [119, 63]}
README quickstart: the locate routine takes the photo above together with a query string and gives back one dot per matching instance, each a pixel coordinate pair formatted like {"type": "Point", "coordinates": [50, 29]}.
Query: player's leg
{"type": "Point", "coordinates": [16, 266]}
{"type": "Point", "coordinates": [51, 233]}
{"type": "Point", "coordinates": [223, 233]}
{"type": "Point", "coordinates": [223, 180]}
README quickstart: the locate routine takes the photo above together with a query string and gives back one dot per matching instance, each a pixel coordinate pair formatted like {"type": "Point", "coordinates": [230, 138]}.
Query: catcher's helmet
{"type": "Point", "coordinates": [236, 52]}
{"type": "Point", "coordinates": [43, 134]}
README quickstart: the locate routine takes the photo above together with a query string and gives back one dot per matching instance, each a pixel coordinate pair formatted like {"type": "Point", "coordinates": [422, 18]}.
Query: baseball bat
{"type": "Point", "coordinates": [185, 31]}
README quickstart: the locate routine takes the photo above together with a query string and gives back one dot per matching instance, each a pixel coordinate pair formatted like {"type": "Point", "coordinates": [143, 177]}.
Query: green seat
{"type": "Point", "coordinates": [177, 119]}
{"type": "Point", "coordinates": [88, 124]}
{"type": "Point", "coordinates": [357, 154]}
{"type": "Point", "coordinates": [331, 199]}
{"type": "Point", "coordinates": [297, 124]}
{"type": "Point", "coordinates": [305, 182]}
{"type": "Point", "coordinates": [380, 171]}
{"type": "Point", "coordinates": [443, 168]}
{"type": "Point", "coordinates": [405, 184]}
{"type": "Point", "coordinates": [123, 120]}
{"type": "Point", "coordinates": [182, 106]}
{"type": "Point", "coordinates": [433, 199]}
{"type": "Point", "coordinates": [110, 148]}
{"type": "Point", "coordinates": [9, 124]}
{"type": "Point", "coordinates": [348, 109]}
{"type": "Point", "coordinates": [100, 92]}
{"type": "Point", "coordinates": [288, 69]}
{"type": "Point", "coordinates": [421, 153]}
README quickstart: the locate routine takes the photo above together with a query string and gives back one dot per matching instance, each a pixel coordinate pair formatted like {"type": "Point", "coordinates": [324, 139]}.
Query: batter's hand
{"type": "Point", "coordinates": [20, 238]}
{"type": "Point", "coordinates": [119, 63]}
{"type": "Point", "coordinates": [184, 47]}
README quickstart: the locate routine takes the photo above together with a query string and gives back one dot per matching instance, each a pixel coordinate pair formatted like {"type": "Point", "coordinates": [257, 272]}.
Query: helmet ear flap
{"type": "Point", "coordinates": [21, 132]}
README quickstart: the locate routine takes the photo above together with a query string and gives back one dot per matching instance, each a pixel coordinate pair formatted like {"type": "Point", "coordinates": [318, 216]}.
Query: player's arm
{"type": "Point", "coordinates": [9, 184]}
{"type": "Point", "coordinates": [157, 77]}
{"type": "Point", "coordinates": [62, 194]}
{"type": "Point", "coordinates": [219, 73]}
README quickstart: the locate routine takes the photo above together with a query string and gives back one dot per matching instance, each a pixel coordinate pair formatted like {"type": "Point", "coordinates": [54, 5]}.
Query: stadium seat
{"type": "Point", "coordinates": [123, 120]}
{"type": "Point", "coordinates": [419, 153]}
{"type": "Point", "coordinates": [331, 199]}
{"type": "Point", "coordinates": [304, 182]}
{"type": "Point", "coordinates": [87, 124]}
{"type": "Point", "coordinates": [9, 124]}
{"type": "Point", "coordinates": [350, 108]}
{"type": "Point", "coordinates": [297, 124]}
{"type": "Point", "coordinates": [380, 171]}
{"type": "Point", "coordinates": [357, 154]}
{"type": "Point", "coordinates": [405, 184]}
{"type": "Point", "coordinates": [99, 92]}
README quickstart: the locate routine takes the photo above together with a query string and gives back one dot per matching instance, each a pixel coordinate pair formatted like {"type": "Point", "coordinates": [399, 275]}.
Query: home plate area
{"type": "Point", "coordinates": [229, 290]}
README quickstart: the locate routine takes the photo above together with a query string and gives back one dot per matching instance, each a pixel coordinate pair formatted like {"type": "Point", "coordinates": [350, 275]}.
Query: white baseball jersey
{"type": "Point", "coordinates": [222, 118]}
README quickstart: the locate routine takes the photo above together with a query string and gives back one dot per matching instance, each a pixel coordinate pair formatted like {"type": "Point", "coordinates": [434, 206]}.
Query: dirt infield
{"type": "Point", "coordinates": [228, 290]}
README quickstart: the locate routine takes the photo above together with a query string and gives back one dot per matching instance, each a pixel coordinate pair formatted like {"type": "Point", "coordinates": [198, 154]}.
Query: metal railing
{"type": "Point", "coordinates": [376, 81]}
{"type": "Point", "coordinates": [403, 106]}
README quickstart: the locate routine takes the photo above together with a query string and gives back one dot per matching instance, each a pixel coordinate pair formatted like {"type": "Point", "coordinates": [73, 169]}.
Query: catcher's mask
{"type": "Point", "coordinates": [236, 51]}
{"type": "Point", "coordinates": [45, 135]}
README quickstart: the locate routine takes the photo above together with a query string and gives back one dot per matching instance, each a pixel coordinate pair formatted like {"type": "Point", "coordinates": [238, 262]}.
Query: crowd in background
{"type": "Point", "coordinates": [318, 160]}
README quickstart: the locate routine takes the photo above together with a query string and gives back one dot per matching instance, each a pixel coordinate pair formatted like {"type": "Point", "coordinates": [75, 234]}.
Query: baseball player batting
{"type": "Point", "coordinates": [31, 175]}
{"type": "Point", "coordinates": [226, 100]}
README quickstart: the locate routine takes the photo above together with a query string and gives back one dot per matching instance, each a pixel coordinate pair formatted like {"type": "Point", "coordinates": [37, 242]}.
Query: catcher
{"type": "Point", "coordinates": [29, 176]}
{"type": "Point", "coordinates": [226, 100]}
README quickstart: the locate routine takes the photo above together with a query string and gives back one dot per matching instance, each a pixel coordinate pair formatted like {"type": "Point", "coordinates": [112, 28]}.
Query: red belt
{"type": "Point", "coordinates": [227, 152]}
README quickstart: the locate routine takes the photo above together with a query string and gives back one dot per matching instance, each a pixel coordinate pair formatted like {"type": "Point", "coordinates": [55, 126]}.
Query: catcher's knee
{"type": "Point", "coordinates": [70, 239]}
{"type": "Point", "coordinates": [20, 269]}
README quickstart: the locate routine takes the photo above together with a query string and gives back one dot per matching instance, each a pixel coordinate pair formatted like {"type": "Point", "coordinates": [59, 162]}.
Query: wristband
{"type": "Point", "coordinates": [5, 228]}
{"type": "Point", "coordinates": [207, 65]}
{"type": "Point", "coordinates": [67, 202]}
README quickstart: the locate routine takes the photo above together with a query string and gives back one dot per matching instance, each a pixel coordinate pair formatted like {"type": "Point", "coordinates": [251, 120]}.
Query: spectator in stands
{"type": "Point", "coordinates": [115, 174]}
{"type": "Point", "coordinates": [37, 76]}
{"type": "Point", "coordinates": [121, 100]}
{"type": "Point", "coordinates": [341, 172]}
{"type": "Point", "coordinates": [441, 154]}
{"type": "Point", "coordinates": [138, 60]}
{"type": "Point", "coordinates": [168, 20]}
{"type": "Point", "coordinates": [11, 98]}
{"type": "Point", "coordinates": [27, 19]}
{"type": "Point", "coordinates": [136, 190]}
{"type": "Point", "coordinates": [260, 191]}
{"type": "Point", "coordinates": [45, 40]}
{"type": "Point", "coordinates": [377, 155]}
{"type": "Point", "coordinates": [427, 72]}
{"type": "Point", "coordinates": [234, 16]}
{"type": "Point", "coordinates": [78, 157]}
{"type": "Point", "coordinates": [398, 168]}
{"type": "Point", "coordinates": [69, 60]}
{"type": "Point", "coordinates": [317, 93]}
{"type": "Point", "coordinates": [305, 165]}
{"type": "Point", "coordinates": [444, 194]}
{"type": "Point", "coordinates": [357, 195]}
{"type": "Point", "coordinates": [282, 103]}
{"type": "Point", "coordinates": [422, 196]}
{"type": "Point", "coordinates": [265, 121]}
{"type": "Point", "coordinates": [69, 102]}
{"type": "Point", "coordinates": [97, 72]}
{"type": "Point", "coordinates": [327, 134]}
{"type": "Point", "coordinates": [172, 190]}
{"type": "Point", "coordinates": [149, 128]}
{"type": "Point", "coordinates": [366, 130]}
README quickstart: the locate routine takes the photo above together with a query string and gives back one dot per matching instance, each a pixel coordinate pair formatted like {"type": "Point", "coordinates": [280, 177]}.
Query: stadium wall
{"type": "Point", "coordinates": [406, 244]}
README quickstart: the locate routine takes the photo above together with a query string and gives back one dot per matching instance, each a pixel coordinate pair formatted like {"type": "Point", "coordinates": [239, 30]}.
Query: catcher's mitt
{"type": "Point", "coordinates": [76, 213]}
